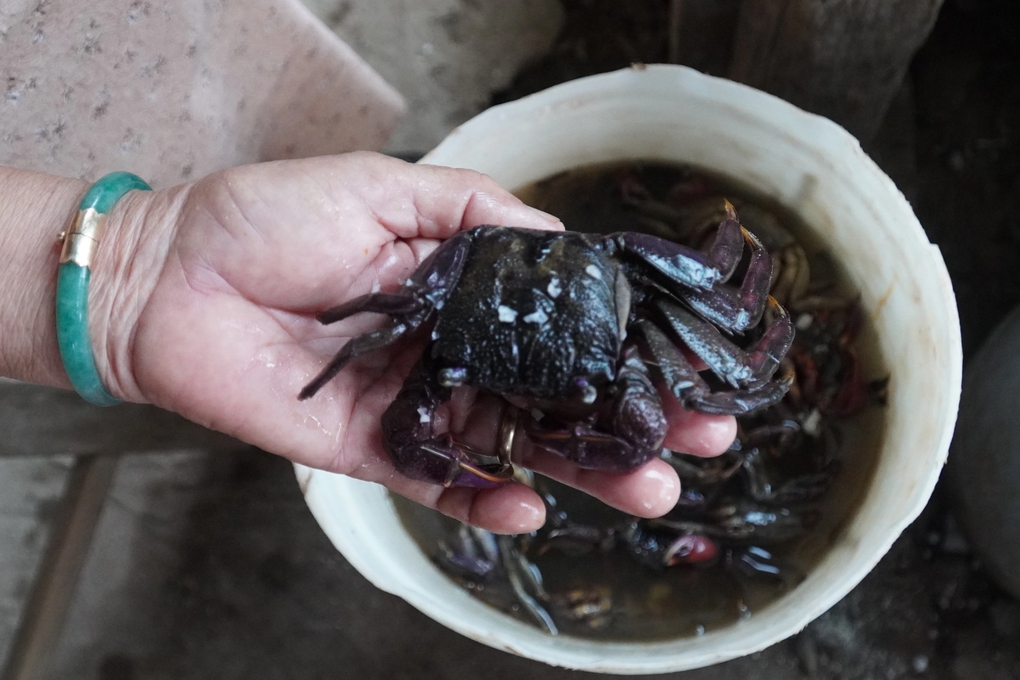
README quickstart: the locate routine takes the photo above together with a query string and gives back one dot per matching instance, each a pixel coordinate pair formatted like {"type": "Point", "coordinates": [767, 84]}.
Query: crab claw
{"type": "Point", "coordinates": [442, 461]}
{"type": "Point", "coordinates": [480, 475]}
{"type": "Point", "coordinates": [418, 452]}
{"type": "Point", "coordinates": [587, 447]}
{"type": "Point", "coordinates": [636, 427]}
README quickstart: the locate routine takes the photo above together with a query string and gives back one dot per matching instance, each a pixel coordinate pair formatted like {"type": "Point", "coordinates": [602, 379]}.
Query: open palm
{"type": "Point", "coordinates": [226, 335]}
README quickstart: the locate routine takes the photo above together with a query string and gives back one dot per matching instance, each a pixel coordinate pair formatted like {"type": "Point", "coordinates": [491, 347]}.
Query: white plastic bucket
{"type": "Point", "coordinates": [818, 171]}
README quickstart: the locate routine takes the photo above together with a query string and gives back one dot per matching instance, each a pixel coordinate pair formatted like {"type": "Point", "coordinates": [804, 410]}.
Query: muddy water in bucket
{"type": "Point", "coordinates": [595, 587]}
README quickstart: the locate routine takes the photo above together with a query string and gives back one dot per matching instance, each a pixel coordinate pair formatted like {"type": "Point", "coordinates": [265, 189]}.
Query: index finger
{"type": "Point", "coordinates": [429, 201]}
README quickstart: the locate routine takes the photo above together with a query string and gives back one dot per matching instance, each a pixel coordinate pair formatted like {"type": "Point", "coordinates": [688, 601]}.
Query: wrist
{"type": "Point", "coordinates": [34, 209]}
{"type": "Point", "coordinates": [139, 234]}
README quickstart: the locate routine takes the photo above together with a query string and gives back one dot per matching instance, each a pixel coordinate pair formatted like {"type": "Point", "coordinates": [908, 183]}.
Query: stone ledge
{"type": "Point", "coordinates": [43, 421]}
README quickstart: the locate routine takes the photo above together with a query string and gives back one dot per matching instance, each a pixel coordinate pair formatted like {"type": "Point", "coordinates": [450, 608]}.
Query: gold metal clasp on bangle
{"type": "Point", "coordinates": [81, 239]}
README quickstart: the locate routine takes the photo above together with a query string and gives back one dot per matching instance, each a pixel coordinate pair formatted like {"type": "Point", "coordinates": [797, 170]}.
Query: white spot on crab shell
{"type": "Point", "coordinates": [376, 286]}
{"type": "Point", "coordinates": [506, 314]}
{"type": "Point", "coordinates": [538, 316]}
{"type": "Point", "coordinates": [536, 414]}
{"type": "Point", "coordinates": [554, 289]}
{"type": "Point", "coordinates": [593, 271]}
{"type": "Point", "coordinates": [423, 415]}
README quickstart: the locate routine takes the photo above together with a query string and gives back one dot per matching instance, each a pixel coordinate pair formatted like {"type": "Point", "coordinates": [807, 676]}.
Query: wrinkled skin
{"type": "Point", "coordinates": [555, 323]}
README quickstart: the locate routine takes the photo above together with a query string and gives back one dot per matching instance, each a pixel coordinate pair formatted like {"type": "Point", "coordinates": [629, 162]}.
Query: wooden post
{"type": "Point", "coordinates": [844, 59]}
{"type": "Point", "coordinates": [701, 34]}
{"type": "Point", "coordinates": [53, 591]}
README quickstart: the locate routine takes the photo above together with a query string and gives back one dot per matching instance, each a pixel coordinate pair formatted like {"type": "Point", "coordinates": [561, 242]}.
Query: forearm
{"type": "Point", "coordinates": [34, 208]}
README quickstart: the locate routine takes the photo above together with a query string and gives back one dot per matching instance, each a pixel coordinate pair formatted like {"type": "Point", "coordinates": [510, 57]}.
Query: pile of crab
{"type": "Point", "coordinates": [575, 328]}
{"type": "Point", "coordinates": [735, 510]}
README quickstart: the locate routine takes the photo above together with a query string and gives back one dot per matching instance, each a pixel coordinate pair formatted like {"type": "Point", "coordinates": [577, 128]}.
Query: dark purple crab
{"type": "Point", "coordinates": [555, 323]}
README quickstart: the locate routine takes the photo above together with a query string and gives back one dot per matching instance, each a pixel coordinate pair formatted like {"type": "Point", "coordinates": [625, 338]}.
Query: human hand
{"type": "Point", "coordinates": [204, 304]}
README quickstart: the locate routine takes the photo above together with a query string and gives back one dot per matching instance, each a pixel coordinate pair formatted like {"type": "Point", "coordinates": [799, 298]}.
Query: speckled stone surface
{"type": "Point", "coordinates": [175, 89]}
{"type": "Point", "coordinates": [446, 57]}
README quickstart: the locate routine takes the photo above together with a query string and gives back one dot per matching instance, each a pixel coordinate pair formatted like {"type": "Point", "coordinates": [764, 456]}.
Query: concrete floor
{"type": "Point", "coordinates": [446, 57]}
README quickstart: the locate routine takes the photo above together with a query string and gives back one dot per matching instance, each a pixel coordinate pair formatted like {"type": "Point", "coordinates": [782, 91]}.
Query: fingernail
{"type": "Point", "coordinates": [667, 487]}
{"type": "Point", "coordinates": [551, 218]}
{"type": "Point", "coordinates": [528, 518]}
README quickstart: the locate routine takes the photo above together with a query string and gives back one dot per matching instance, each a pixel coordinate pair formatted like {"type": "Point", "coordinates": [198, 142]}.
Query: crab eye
{"type": "Point", "coordinates": [587, 391]}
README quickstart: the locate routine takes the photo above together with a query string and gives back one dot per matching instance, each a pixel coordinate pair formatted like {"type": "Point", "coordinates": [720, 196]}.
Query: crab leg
{"type": "Point", "coordinates": [363, 344]}
{"type": "Point", "coordinates": [382, 303]}
{"type": "Point", "coordinates": [638, 425]}
{"type": "Point", "coordinates": [693, 392]}
{"type": "Point", "coordinates": [737, 402]}
{"type": "Point", "coordinates": [683, 381]}
{"type": "Point", "coordinates": [415, 449]}
{"type": "Point", "coordinates": [519, 570]}
{"type": "Point", "coordinates": [729, 362]}
{"type": "Point", "coordinates": [737, 309]}
{"type": "Point", "coordinates": [687, 266]}
{"type": "Point", "coordinates": [424, 291]}
{"type": "Point", "coordinates": [802, 489]}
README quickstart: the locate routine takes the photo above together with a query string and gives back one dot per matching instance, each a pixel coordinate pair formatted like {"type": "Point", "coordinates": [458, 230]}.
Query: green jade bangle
{"type": "Point", "coordinates": [79, 246]}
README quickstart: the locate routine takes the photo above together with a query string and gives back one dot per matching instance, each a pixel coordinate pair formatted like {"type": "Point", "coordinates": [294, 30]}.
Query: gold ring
{"type": "Point", "coordinates": [507, 433]}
